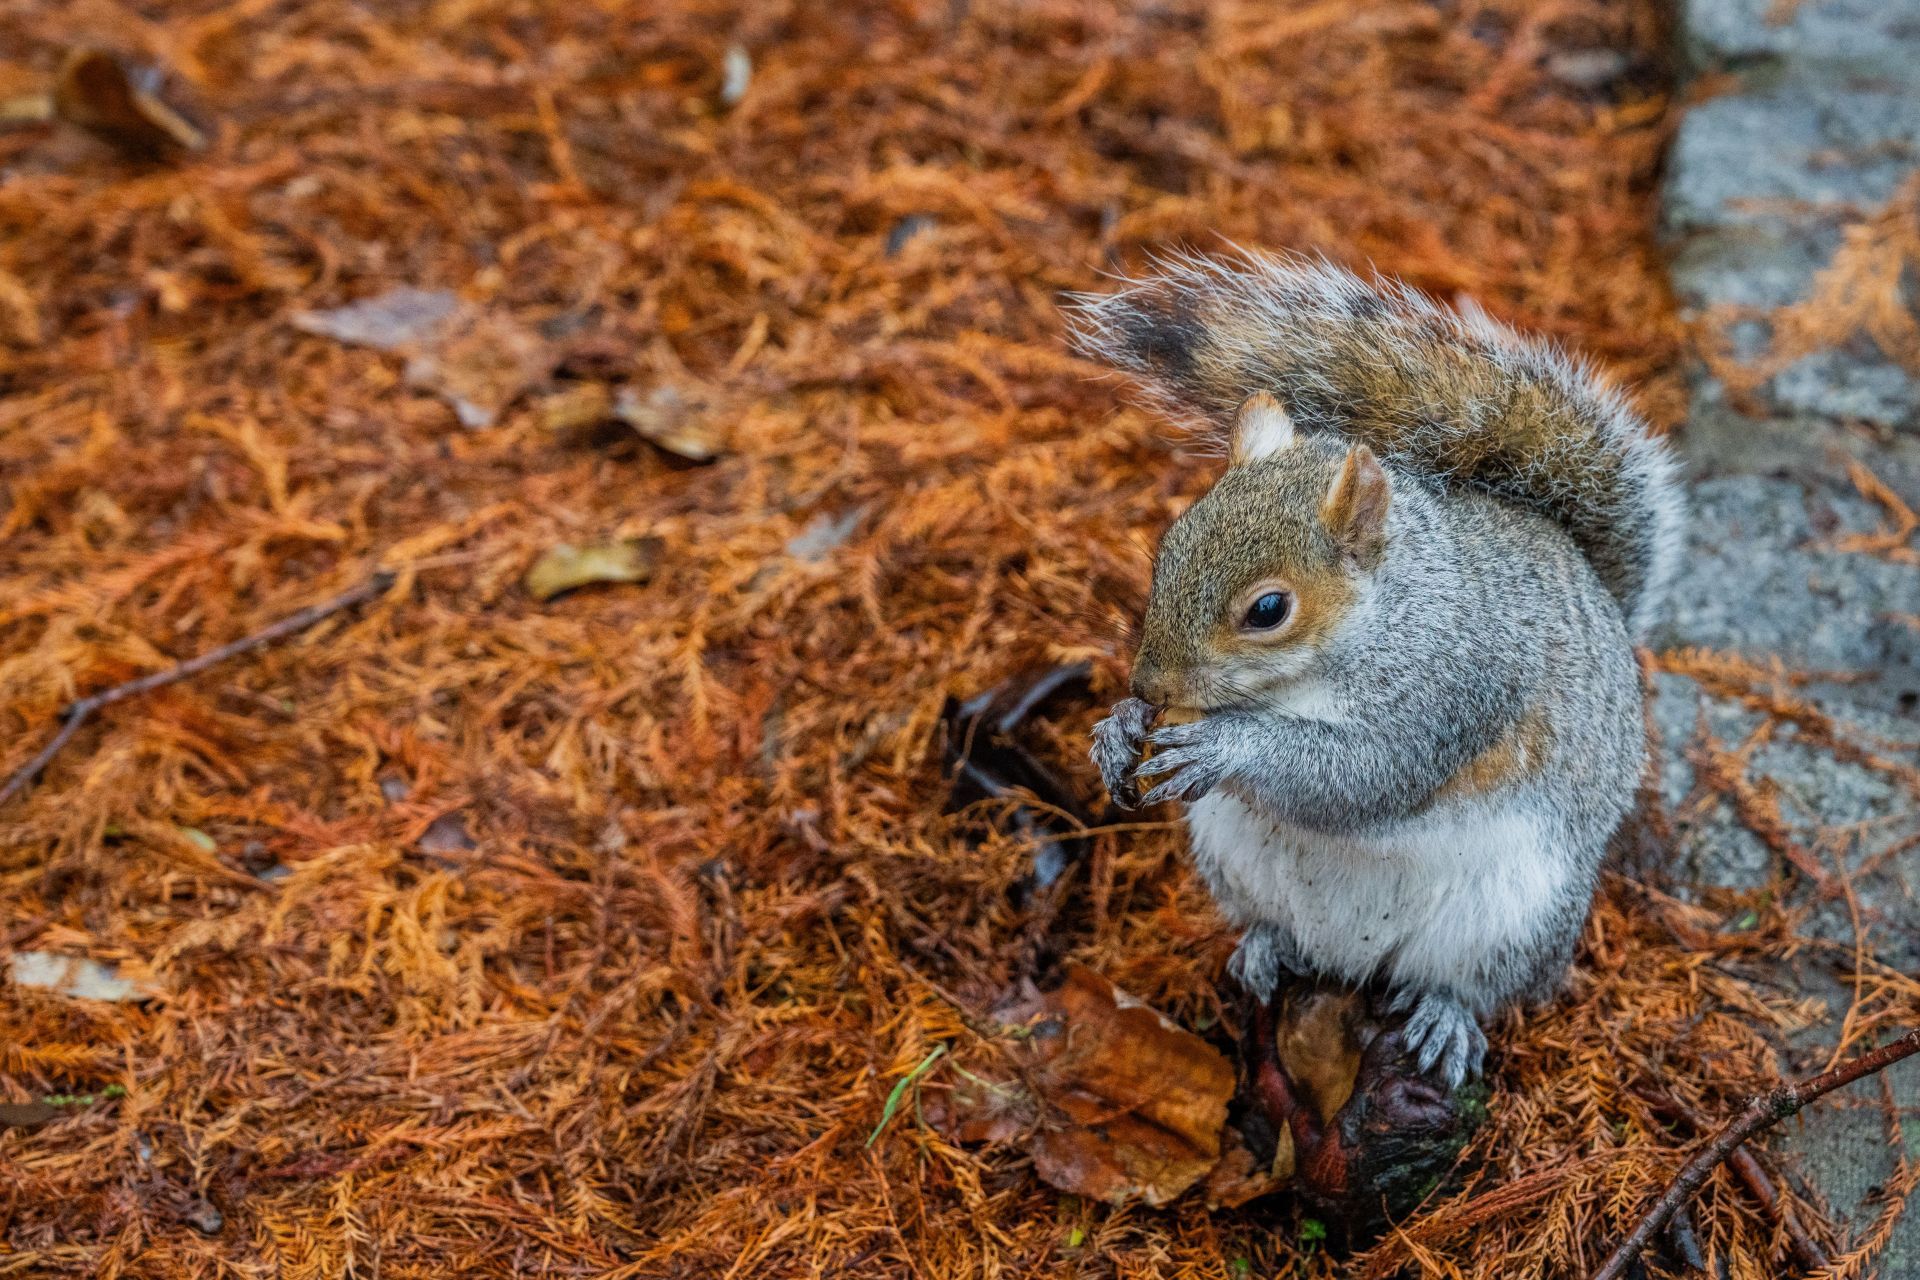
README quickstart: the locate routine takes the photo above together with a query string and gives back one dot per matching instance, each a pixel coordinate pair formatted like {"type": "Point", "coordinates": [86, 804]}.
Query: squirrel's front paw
{"type": "Point", "coordinates": [1116, 748]}
{"type": "Point", "coordinates": [1199, 754]}
{"type": "Point", "coordinates": [1444, 1037]}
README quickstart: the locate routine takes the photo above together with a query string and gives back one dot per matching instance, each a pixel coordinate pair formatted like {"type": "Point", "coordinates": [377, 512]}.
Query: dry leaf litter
{"type": "Point", "coordinates": [590, 935]}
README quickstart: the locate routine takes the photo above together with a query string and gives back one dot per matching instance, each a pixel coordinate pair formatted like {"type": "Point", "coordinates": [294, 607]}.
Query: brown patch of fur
{"type": "Point", "coordinates": [1517, 753]}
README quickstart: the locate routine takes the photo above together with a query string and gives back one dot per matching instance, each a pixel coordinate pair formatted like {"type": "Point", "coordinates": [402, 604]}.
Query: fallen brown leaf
{"type": "Point", "coordinates": [576, 407]}
{"type": "Point", "coordinates": [478, 361]}
{"type": "Point", "coordinates": [672, 419]}
{"type": "Point", "coordinates": [564, 567]}
{"type": "Point", "coordinates": [1130, 1105]}
{"type": "Point", "coordinates": [98, 93]}
{"type": "Point", "coordinates": [1239, 1176]}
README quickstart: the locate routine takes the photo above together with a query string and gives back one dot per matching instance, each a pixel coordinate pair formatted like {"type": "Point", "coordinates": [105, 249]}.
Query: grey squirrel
{"type": "Point", "coordinates": [1391, 649]}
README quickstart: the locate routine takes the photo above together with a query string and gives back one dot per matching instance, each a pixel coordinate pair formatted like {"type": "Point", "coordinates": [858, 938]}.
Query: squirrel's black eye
{"type": "Point", "coordinates": [1269, 611]}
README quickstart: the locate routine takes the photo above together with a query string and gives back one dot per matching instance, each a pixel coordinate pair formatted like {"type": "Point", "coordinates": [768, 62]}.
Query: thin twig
{"type": "Point", "coordinates": [1760, 1113]}
{"type": "Point", "coordinates": [79, 712]}
{"type": "Point", "coordinates": [1806, 1251]}
{"type": "Point", "coordinates": [1747, 1168]}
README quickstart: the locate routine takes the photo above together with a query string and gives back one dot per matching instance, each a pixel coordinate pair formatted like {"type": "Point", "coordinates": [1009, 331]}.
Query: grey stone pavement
{"type": "Point", "coordinates": [1819, 126]}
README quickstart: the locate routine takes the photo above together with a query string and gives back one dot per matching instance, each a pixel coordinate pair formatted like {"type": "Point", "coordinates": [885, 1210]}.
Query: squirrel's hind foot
{"type": "Point", "coordinates": [1443, 1036]}
{"type": "Point", "coordinates": [1265, 956]}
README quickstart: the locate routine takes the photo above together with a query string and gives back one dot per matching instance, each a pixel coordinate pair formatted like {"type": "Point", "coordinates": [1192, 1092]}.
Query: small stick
{"type": "Point", "coordinates": [1760, 1113]}
{"type": "Point", "coordinates": [79, 712]}
{"type": "Point", "coordinates": [1746, 1166]}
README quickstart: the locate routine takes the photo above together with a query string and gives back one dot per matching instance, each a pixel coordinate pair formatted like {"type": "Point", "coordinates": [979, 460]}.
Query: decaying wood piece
{"type": "Point", "coordinates": [1331, 1102]}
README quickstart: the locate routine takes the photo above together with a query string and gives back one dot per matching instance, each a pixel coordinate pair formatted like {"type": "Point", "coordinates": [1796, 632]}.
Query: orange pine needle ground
{"type": "Point", "coordinates": [585, 938]}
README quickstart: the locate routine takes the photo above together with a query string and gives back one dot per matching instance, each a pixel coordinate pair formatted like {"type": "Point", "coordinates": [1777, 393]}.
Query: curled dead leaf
{"type": "Point", "coordinates": [565, 566]}
{"type": "Point", "coordinates": [577, 407]}
{"type": "Point", "coordinates": [672, 419]}
{"type": "Point", "coordinates": [1240, 1176]}
{"type": "Point", "coordinates": [478, 361]}
{"type": "Point", "coordinates": [1129, 1105]}
{"type": "Point", "coordinates": [99, 93]}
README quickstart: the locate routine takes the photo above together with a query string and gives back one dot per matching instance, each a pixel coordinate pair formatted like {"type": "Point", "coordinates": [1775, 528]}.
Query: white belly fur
{"type": "Point", "coordinates": [1422, 905]}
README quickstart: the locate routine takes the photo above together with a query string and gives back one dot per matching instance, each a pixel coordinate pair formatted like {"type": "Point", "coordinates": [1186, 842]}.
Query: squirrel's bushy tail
{"type": "Point", "coordinates": [1457, 397]}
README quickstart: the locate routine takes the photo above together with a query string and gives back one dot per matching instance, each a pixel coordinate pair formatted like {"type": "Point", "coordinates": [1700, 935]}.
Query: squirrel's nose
{"type": "Point", "coordinates": [1152, 684]}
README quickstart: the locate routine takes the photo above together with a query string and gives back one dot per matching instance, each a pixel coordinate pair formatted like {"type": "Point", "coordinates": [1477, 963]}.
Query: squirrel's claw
{"type": "Point", "coordinates": [1165, 762]}
{"type": "Point", "coordinates": [1180, 735]}
{"type": "Point", "coordinates": [1116, 748]}
{"type": "Point", "coordinates": [1198, 774]}
{"type": "Point", "coordinates": [1445, 1039]}
{"type": "Point", "coordinates": [1200, 753]}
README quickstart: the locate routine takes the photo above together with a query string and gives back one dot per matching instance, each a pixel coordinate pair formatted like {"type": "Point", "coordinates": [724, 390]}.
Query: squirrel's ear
{"type": "Point", "coordinates": [1355, 508]}
{"type": "Point", "coordinates": [1261, 428]}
